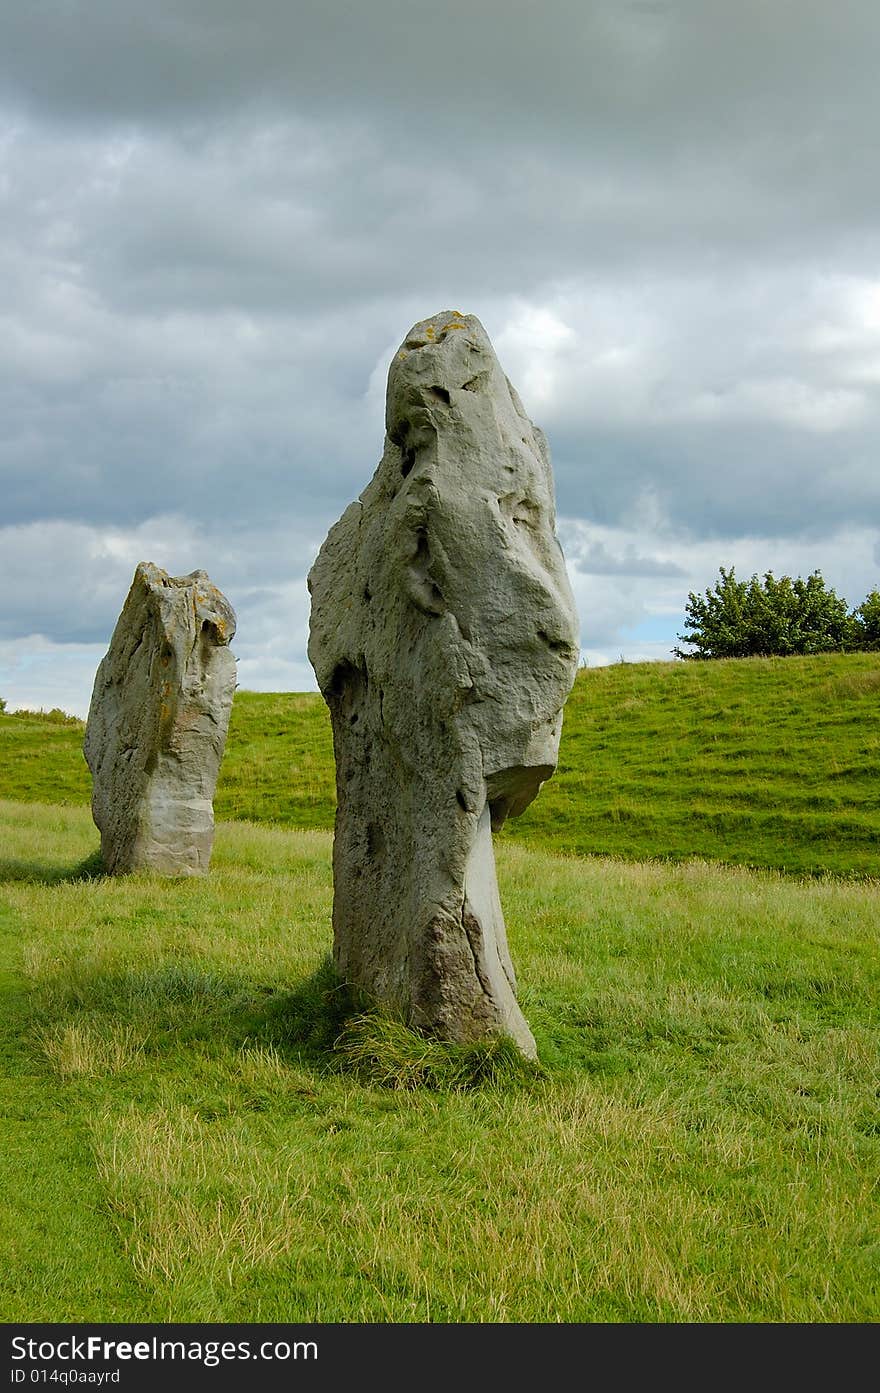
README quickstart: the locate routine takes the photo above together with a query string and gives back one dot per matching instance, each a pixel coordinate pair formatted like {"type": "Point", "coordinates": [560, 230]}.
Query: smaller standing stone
{"type": "Point", "coordinates": [158, 721]}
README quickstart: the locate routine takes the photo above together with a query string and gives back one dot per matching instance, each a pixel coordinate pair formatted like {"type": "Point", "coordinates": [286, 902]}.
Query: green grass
{"type": "Point", "coordinates": [41, 759]}
{"type": "Point", "coordinates": [278, 764]}
{"type": "Point", "coordinates": [182, 1141]}
{"type": "Point", "coordinates": [758, 762]}
{"type": "Point", "coordinates": [771, 762]}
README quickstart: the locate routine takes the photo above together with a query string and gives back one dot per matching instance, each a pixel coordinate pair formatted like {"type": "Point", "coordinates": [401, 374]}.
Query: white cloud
{"type": "Point", "coordinates": [66, 579]}
{"type": "Point", "coordinates": [783, 400]}
{"type": "Point", "coordinates": [631, 585]}
{"type": "Point", "coordinates": [38, 675]}
{"type": "Point", "coordinates": [533, 345]}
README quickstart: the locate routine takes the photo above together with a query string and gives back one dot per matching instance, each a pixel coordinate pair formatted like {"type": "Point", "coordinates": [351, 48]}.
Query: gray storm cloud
{"type": "Point", "coordinates": [217, 220]}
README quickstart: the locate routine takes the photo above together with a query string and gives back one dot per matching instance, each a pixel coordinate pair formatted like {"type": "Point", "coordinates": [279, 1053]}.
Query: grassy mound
{"type": "Point", "coordinates": [758, 762]}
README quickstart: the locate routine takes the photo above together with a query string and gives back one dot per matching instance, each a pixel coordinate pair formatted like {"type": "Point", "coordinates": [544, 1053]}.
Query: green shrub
{"type": "Point", "coordinates": [766, 618]}
{"type": "Point", "coordinates": [55, 717]}
{"type": "Point", "coordinates": [866, 624]}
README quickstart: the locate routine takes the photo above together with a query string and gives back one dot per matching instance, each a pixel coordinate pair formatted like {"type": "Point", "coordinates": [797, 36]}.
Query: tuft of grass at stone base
{"type": "Point", "coordinates": [385, 1052]}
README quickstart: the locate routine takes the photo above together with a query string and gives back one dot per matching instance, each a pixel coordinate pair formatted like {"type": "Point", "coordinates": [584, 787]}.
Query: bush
{"type": "Point", "coordinates": [55, 717]}
{"type": "Point", "coordinates": [866, 624]}
{"type": "Point", "coordinates": [767, 618]}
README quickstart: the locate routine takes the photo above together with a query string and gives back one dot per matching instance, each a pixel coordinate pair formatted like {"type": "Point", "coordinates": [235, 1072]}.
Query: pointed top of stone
{"type": "Point", "coordinates": [450, 352]}
{"type": "Point", "coordinates": [210, 606]}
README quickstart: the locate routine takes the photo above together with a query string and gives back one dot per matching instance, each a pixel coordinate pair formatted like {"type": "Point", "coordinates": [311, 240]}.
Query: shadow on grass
{"type": "Point", "coordinates": [324, 1020]}
{"type": "Point", "coordinates": [44, 873]}
{"type": "Point", "coordinates": [181, 1004]}
{"type": "Point", "coordinates": [309, 1019]}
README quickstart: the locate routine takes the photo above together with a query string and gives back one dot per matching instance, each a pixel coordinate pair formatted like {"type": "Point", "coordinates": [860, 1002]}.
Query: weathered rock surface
{"type": "Point", "coordinates": [157, 724]}
{"type": "Point", "coordinates": [444, 639]}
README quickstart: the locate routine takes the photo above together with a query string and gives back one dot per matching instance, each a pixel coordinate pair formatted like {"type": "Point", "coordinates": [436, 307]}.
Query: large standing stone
{"type": "Point", "coordinates": [444, 639]}
{"type": "Point", "coordinates": [157, 724]}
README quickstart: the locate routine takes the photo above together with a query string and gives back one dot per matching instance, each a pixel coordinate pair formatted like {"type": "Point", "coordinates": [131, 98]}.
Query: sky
{"type": "Point", "coordinates": [218, 221]}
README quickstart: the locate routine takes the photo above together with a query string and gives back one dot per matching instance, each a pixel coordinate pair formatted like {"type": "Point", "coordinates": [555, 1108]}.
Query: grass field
{"type": "Point", "coordinates": [701, 1143]}
{"type": "Point", "coordinates": [758, 762]}
{"type": "Point", "coordinates": [196, 1128]}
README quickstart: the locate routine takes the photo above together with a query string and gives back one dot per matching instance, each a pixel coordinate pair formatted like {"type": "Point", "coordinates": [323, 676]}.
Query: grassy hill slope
{"type": "Point", "coordinates": [763, 762]}
{"type": "Point", "coordinates": [41, 759]}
